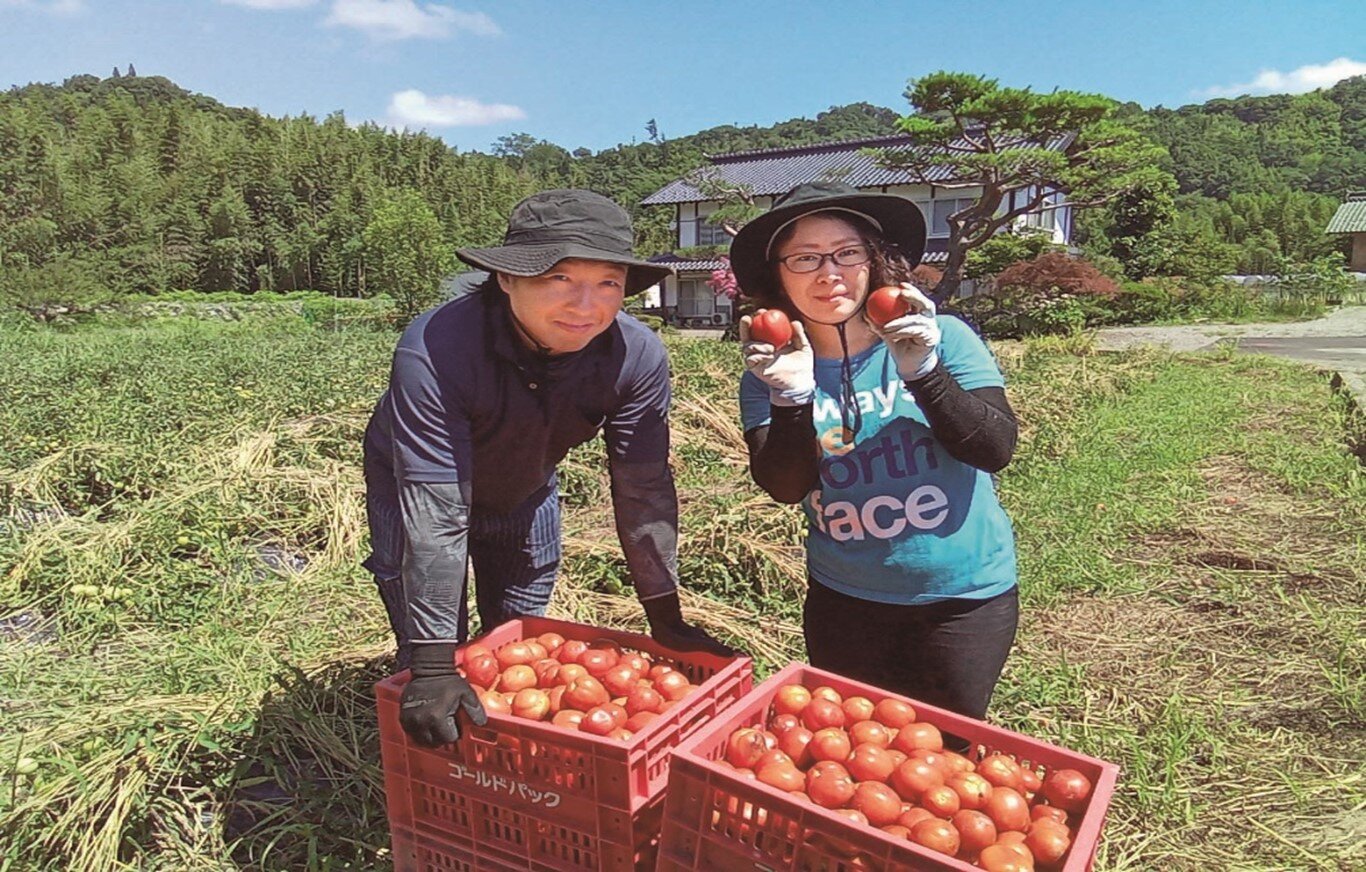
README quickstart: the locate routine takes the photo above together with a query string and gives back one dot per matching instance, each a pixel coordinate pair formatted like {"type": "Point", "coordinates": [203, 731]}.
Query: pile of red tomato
{"type": "Point", "coordinates": [593, 687]}
{"type": "Point", "coordinates": [878, 766]}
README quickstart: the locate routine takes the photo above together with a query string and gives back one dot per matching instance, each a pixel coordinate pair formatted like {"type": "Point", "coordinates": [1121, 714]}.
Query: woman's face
{"type": "Point", "coordinates": [570, 304]}
{"type": "Point", "coordinates": [832, 294]}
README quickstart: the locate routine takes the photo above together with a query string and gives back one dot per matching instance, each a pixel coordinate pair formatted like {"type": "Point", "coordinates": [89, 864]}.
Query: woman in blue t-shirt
{"type": "Point", "coordinates": [888, 437]}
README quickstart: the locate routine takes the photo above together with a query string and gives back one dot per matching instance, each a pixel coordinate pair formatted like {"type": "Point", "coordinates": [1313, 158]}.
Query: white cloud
{"type": "Point", "coordinates": [405, 19]}
{"type": "Point", "coordinates": [1297, 81]}
{"type": "Point", "coordinates": [412, 108]}
{"type": "Point", "coordinates": [55, 7]}
{"type": "Point", "coordinates": [270, 4]}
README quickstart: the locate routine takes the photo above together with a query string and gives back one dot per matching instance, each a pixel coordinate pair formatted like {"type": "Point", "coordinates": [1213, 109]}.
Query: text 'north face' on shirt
{"type": "Point", "coordinates": [895, 518]}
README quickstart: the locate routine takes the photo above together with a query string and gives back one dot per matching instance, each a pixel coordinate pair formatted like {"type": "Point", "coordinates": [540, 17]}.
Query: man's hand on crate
{"type": "Point", "coordinates": [435, 695]}
{"type": "Point", "coordinates": [668, 628]}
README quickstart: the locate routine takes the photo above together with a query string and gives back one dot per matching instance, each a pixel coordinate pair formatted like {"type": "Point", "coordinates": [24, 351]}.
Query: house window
{"type": "Point", "coordinates": [942, 209]}
{"type": "Point", "coordinates": [711, 234]}
{"type": "Point", "coordinates": [1046, 218]}
{"type": "Point", "coordinates": [696, 299]}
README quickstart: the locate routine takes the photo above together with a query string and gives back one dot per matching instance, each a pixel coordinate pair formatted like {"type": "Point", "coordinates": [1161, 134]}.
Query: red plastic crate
{"type": "Point", "coordinates": [491, 837]}
{"type": "Point", "coordinates": [520, 794]}
{"type": "Point", "coordinates": [715, 819]}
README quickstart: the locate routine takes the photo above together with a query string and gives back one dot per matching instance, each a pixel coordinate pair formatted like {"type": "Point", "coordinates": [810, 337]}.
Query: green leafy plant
{"type": "Point", "coordinates": [406, 254]}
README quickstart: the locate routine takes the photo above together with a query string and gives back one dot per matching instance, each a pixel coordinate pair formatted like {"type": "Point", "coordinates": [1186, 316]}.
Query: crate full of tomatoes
{"type": "Point", "coordinates": [813, 771]}
{"type": "Point", "coordinates": [570, 770]}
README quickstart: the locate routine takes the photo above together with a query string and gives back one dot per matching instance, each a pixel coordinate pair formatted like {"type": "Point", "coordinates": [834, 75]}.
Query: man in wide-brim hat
{"type": "Point", "coordinates": [487, 394]}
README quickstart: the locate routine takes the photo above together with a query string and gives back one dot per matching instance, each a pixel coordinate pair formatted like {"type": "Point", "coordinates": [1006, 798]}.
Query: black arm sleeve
{"type": "Point", "coordinates": [783, 453]}
{"type": "Point", "coordinates": [977, 427]}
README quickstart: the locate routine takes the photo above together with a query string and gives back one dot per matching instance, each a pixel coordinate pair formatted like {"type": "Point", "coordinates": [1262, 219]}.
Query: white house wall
{"type": "Point", "coordinates": [687, 225]}
{"type": "Point", "coordinates": [670, 292]}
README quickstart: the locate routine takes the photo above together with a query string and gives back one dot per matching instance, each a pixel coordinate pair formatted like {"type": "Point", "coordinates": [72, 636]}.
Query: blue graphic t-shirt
{"type": "Point", "coordinates": [895, 518]}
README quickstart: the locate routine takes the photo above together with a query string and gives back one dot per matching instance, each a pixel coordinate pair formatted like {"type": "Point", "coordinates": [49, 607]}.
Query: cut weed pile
{"type": "Point", "coordinates": [187, 642]}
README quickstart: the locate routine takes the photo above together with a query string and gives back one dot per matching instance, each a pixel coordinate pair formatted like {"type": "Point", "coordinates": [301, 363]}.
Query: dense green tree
{"type": "Point", "coordinates": [405, 255]}
{"type": "Point", "coordinates": [1017, 148]}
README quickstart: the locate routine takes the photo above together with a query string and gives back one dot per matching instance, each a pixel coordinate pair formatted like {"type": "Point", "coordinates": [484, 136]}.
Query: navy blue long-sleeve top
{"type": "Point", "coordinates": [475, 421]}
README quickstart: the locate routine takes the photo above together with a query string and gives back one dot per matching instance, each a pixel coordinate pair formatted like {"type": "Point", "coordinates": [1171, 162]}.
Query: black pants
{"type": "Point", "coordinates": [948, 654]}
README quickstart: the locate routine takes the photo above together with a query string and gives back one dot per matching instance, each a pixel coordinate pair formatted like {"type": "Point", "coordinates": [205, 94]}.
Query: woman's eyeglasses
{"type": "Point", "coordinates": [810, 261]}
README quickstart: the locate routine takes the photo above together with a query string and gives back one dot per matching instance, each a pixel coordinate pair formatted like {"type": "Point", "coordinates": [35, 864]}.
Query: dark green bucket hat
{"type": "Point", "coordinates": [898, 220]}
{"type": "Point", "coordinates": [548, 227]}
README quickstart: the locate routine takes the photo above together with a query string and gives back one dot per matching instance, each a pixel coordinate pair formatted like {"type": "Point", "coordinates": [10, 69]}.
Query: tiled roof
{"type": "Point", "coordinates": [869, 142]}
{"type": "Point", "coordinates": [689, 264]}
{"type": "Point", "coordinates": [1349, 218]}
{"type": "Point", "coordinates": [767, 172]}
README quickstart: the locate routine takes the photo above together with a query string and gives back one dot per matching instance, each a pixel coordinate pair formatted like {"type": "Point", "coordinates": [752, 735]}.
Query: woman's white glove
{"type": "Point", "coordinates": [914, 337]}
{"type": "Point", "coordinates": [789, 372]}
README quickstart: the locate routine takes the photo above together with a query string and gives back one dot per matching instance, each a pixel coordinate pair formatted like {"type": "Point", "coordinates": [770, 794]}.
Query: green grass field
{"type": "Point", "coordinates": [1192, 537]}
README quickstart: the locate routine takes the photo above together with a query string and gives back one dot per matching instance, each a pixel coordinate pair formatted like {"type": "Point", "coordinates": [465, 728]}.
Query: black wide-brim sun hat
{"type": "Point", "coordinates": [899, 221]}
{"type": "Point", "coordinates": [548, 227]}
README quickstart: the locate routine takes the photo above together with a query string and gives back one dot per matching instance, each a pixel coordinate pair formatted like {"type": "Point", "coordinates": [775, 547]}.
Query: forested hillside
{"type": "Point", "coordinates": [1258, 177]}
{"type": "Point", "coordinates": [132, 184]}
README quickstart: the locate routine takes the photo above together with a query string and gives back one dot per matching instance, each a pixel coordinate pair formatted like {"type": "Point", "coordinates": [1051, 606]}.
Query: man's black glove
{"type": "Point", "coordinates": [670, 630]}
{"type": "Point", "coordinates": [435, 695]}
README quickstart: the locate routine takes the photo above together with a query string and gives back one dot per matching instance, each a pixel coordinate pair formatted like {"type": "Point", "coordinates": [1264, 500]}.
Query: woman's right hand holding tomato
{"type": "Point", "coordinates": [905, 319]}
{"type": "Point", "coordinates": [789, 369]}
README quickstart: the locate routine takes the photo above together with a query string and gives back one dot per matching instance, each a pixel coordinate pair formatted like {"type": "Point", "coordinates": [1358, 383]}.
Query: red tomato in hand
{"type": "Point", "coordinates": [771, 326]}
{"type": "Point", "coordinates": [886, 304]}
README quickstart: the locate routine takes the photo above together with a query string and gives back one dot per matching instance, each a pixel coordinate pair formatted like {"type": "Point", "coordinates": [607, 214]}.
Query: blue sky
{"type": "Point", "coordinates": [593, 73]}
